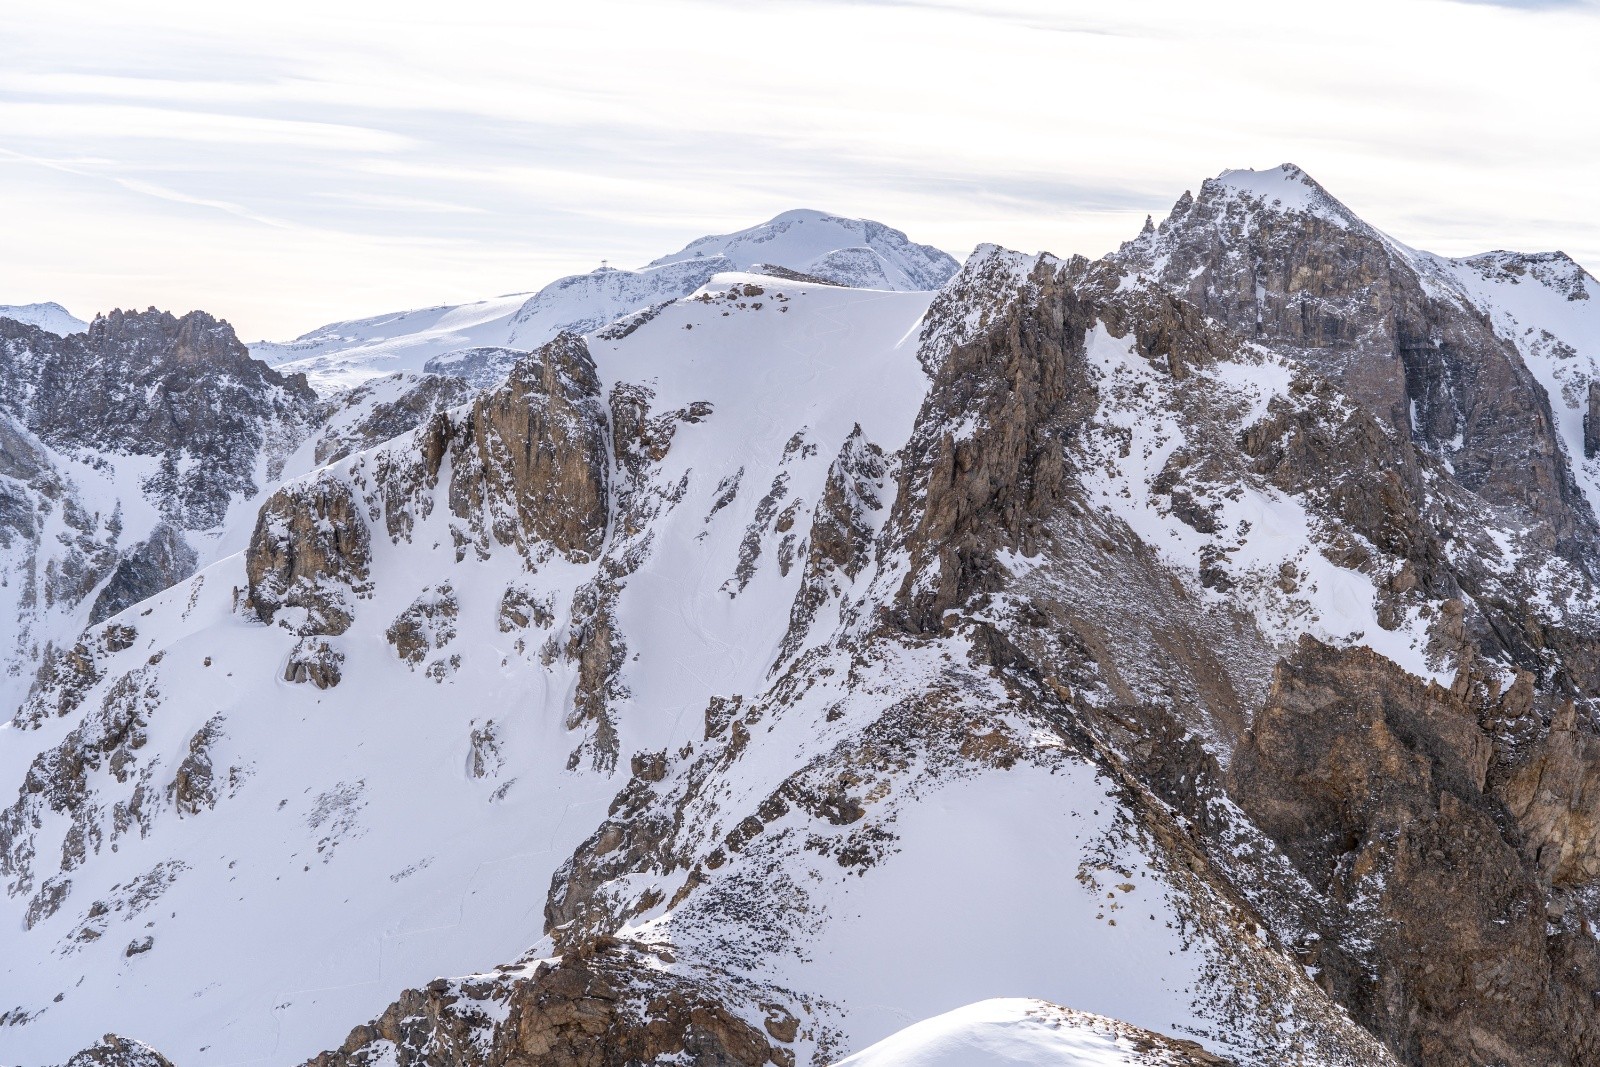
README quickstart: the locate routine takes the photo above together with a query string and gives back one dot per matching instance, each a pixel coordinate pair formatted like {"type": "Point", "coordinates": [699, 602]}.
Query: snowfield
{"type": "Point", "coordinates": [851, 252]}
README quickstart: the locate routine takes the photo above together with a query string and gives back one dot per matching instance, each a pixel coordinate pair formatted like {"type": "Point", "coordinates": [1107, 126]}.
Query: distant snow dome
{"type": "Point", "coordinates": [803, 244]}
{"type": "Point", "coordinates": [50, 317]}
{"type": "Point", "coordinates": [854, 252]}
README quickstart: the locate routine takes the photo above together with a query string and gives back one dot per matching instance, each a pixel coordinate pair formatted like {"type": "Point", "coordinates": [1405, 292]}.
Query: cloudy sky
{"type": "Point", "coordinates": [291, 163]}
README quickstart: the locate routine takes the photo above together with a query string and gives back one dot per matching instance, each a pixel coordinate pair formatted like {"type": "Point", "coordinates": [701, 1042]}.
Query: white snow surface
{"type": "Point", "coordinates": [1287, 188]}
{"type": "Point", "coordinates": [50, 316]}
{"type": "Point", "coordinates": [1005, 1032]}
{"type": "Point", "coordinates": [853, 252]}
{"type": "Point", "coordinates": [354, 855]}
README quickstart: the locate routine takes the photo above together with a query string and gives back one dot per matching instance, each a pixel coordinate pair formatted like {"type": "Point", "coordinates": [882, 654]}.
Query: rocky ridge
{"type": "Point", "coordinates": [124, 448]}
{"type": "Point", "coordinates": [1218, 615]}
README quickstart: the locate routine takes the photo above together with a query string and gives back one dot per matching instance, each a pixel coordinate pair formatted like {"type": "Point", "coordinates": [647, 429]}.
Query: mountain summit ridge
{"type": "Point", "coordinates": [853, 252]}
{"type": "Point", "coordinates": [1204, 637]}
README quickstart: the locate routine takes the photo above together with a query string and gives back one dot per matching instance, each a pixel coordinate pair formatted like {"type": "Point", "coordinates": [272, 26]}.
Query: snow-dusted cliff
{"type": "Point", "coordinates": [1200, 642]}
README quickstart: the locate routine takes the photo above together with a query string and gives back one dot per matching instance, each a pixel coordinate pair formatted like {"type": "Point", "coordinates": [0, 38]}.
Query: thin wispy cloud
{"type": "Point", "coordinates": [1533, 5]}
{"type": "Point", "coordinates": [291, 166]}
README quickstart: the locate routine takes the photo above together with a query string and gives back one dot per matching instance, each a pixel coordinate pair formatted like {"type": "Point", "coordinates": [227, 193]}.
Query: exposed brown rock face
{"type": "Point", "coordinates": [194, 788]}
{"type": "Point", "coordinates": [1022, 386]}
{"type": "Point", "coordinates": [314, 660]}
{"type": "Point", "coordinates": [1375, 785]}
{"type": "Point", "coordinates": [533, 462]}
{"type": "Point", "coordinates": [596, 645]}
{"type": "Point", "coordinates": [1554, 793]}
{"type": "Point", "coordinates": [428, 624]}
{"type": "Point", "coordinates": [603, 1005]}
{"type": "Point", "coordinates": [310, 551]}
{"type": "Point", "coordinates": [1591, 422]}
{"type": "Point", "coordinates": [1326, 287]}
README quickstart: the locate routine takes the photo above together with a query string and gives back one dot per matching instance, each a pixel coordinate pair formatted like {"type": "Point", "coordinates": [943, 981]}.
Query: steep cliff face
{"type": "Point", "coordinates": [125, 446]}
{"type": "Point", "coordinates": [1379, 787]}
{"type": "Point", "coordinates": [1277, 260]}
{"type": "Point", "coordinates": [532, 469]}
{"type": "Point", "coordinates": [1203, 638]}
{"type": "Point", "coordinates": [183, 390]}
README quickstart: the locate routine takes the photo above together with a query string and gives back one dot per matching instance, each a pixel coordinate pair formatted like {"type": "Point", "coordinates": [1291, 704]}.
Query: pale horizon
{"type": "Point", "coordinates": [289, 168]}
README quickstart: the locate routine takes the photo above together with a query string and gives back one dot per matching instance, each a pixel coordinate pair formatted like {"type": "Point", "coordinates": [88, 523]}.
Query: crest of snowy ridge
{"type": "Point", "coordinates": [810, 244]}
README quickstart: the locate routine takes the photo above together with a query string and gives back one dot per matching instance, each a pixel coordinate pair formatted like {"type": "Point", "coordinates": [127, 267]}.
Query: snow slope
{"type": "Point", "coordinates": [1006, 1032]}
{"type": "Point", "coordinates": [52, 317]}
{"type": "Point", "coordinates": [875, 819]}
{"type": "Point", "coordinates": [854, 252]}
{"type": "Point", "coordinates": [344, 354]}
{"type": "Point", "coordinates": [352, 852]}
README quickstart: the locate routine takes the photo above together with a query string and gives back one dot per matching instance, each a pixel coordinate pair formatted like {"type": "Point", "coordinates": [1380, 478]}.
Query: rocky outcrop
{"type": "Point", "coordinates": [143, 415]}
{"type": "Point", "coordinates": [604, 1004]}
{"type": "Point", "coordinates": [1276, 259]}
{"type": "Point", "coordinates": [195, 787]}
{"type": "Point", "coordinates": [161, 560]}
{"type": "Point", "coordinates": [843, 532]}
{"type": "Point", "coordinates": [532, 465]}
{"type": "Point", "coordinates": [94, 778]}
{"type": "Point", "coordinates": [1554, 794]}
{"type": "Point", "coordinates": [114, 1051]}
{"type": "Point", "coordinates": [309, 556]}
{"type": "Point", "coordinates": [381, 410]}
{"type": "Point", "coordinates": [428, 624]}
{"type": "Point", "coordinates": [316, 661]}
{"type": "Point", "coordinates": [1020, 386]}
{"type": "Point", "coordinates": [1438, 931]}
{"type": "Point", "coordinates": [1591, 422]}
{"type": "Point", "coordinates": [184, 389]}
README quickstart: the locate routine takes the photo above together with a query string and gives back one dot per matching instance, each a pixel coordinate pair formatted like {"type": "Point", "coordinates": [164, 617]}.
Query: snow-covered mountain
{"type": "Point", "coordinates": [52, 318]}
{"type": "Point", "coordinates": [1200, 642]}
{"type": "Point", "coordinates": [855, 252]}
{"type": "Point", "coordinates": [852, 252]}
{"type": "Point", "coordinates": [124, 447]}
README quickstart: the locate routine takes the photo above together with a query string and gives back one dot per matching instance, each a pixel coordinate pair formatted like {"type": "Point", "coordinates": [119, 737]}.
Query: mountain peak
{"type": "Point", "coordinates": [1285, 188]}
{"type": "Point", "coordinates": [799, 214]}
{"type": "Point", "coordinates": [856, 252]}
{"type": "Point", "coordinates": [50, 317]}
